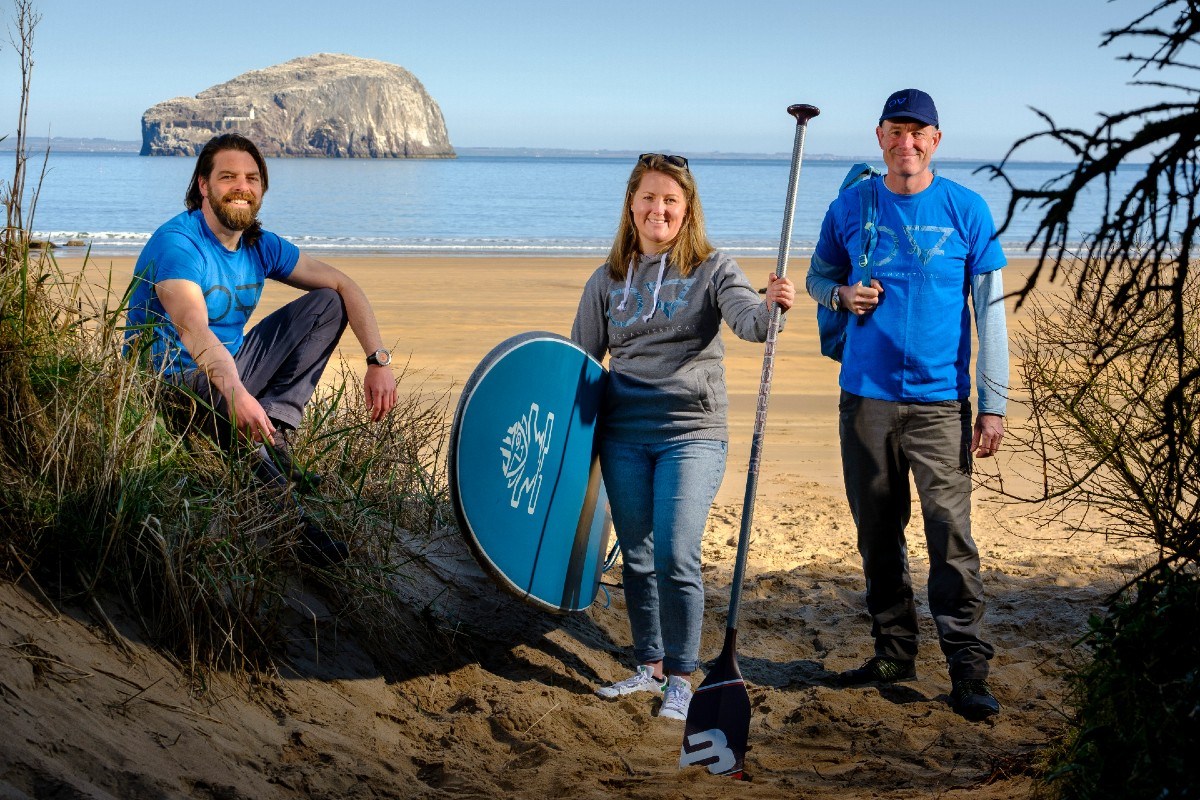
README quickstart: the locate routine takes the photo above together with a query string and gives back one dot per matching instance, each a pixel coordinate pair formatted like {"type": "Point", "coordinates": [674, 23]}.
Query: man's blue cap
{"type": "Point", "coordinates": [910, 104]}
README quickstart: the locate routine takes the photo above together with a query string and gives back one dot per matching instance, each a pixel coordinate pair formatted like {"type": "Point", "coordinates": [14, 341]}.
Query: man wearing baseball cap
{"type": "Point", "coordinates": [906, 275]}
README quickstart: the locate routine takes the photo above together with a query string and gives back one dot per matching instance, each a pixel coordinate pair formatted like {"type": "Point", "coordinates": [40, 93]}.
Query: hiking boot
{"type": "Point", "coordinates": [973, 699]}
{"type": "Point", "coordinates": [879, 669]}
{"type": "Point", "coordinates": [319, 549]}
{"type": "Point", "coordinates": [676, 698]}
{"type": "Point", "coordinates": [267, 472]}
{"type": "Point", "coordinates": [641, 681]}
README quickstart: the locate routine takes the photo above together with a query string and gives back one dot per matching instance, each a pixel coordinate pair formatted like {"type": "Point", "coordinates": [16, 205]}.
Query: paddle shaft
{"type": "Point", "coordinates": [802, 113]}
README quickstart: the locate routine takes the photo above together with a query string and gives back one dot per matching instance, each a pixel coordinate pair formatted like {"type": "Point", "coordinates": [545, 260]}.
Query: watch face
{"type": "Point", "coordinates": [381, 357]}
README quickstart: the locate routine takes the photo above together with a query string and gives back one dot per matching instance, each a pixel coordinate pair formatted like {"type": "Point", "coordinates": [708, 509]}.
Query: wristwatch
{"type": "Point", "coordinates": [380, 358]}
{"type": "Point", "coordinates": [835, 299]}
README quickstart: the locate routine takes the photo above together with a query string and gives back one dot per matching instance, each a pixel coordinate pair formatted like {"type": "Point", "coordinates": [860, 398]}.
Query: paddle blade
{"type": "Point", "coordinates": [718, 720]}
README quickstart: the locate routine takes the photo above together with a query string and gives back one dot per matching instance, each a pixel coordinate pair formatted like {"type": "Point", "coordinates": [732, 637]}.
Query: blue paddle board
{"type": "Point", "coordinates": [524, 476]}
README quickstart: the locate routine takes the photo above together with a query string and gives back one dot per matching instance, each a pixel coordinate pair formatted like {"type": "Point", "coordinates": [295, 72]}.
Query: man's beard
{"type": "Point", "coordinates": [235, 218]}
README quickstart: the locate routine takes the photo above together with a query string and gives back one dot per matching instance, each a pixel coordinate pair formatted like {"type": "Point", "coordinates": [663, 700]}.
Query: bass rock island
{"type": "Point", "coordinates": [324, 105]}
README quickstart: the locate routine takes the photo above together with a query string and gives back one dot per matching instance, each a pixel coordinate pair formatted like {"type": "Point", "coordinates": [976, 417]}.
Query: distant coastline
{"type": "Point", "coordinates": [71, 144]}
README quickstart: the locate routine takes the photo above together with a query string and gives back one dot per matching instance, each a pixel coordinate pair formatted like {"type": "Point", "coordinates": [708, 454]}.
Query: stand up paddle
{"type": "Point", "coordinates": [718, 720]}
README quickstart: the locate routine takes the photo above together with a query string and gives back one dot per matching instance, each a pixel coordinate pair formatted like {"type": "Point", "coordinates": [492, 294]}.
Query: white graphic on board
{"type": "Point", "coordinates": [520, 441]}
{"type": "Point", "coordinates": [708, 748]}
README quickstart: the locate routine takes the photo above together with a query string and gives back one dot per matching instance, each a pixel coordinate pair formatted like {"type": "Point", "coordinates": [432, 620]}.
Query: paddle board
{"type": "Point", "coordinates": [524, 477]}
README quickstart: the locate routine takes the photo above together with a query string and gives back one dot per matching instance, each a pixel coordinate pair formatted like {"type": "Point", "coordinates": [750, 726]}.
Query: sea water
{"type": "Point", "coordinates": [479, 205]}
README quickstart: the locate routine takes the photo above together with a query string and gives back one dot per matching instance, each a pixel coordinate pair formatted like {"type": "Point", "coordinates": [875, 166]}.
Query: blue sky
{"type": "Point", "coordinates": [688, 76]}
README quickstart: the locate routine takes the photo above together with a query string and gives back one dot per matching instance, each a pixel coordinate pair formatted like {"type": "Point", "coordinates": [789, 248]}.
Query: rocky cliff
{"type": "Point", "coordinates": [327, 105]}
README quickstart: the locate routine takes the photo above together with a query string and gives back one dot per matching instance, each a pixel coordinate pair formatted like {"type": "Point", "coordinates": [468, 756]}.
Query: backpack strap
{"type": "Point", "coordinates": [868, 202]}
{"type": "Point", "coordinates": [859, 172]}
{"type": "Point", "coordinates": [863, 175]}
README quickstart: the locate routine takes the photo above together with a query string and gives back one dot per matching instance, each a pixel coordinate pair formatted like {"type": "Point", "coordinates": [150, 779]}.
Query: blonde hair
{"type": "Point", "coordinates": [690, 247]}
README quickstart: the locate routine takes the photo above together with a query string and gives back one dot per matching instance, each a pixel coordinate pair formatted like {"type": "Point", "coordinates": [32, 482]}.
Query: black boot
{"type": "Point", "coordinates": [319, 549]}
{"type": "Point", "coordinates": [280, 452]}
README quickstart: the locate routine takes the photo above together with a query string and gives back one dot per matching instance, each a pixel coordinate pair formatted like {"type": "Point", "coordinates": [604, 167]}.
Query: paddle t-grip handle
{"type": "Point", "coordinates": [803, 112]}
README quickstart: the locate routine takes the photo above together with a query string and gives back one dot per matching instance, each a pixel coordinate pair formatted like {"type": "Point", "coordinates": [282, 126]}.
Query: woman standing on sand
{"type": "Point", "coordinates": [656, 307]}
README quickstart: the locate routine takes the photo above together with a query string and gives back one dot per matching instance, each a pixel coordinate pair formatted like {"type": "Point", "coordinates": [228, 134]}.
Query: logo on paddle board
{"type": "Point", "coordinates": [522, 437]}
{"type": "Point", "coordinates": [709, 749]}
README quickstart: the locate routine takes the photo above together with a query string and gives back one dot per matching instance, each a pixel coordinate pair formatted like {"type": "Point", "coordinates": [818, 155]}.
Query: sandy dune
{"type": "Point", "coordinates": [501, 704]}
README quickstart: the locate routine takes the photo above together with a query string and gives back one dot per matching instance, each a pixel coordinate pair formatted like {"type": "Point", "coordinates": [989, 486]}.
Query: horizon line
{"type": "Point", "coordinates": [101, 144]}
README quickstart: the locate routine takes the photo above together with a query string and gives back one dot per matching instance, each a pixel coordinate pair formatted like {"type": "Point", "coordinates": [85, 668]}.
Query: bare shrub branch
{"type": "Point", "coordinates": [1114, 377]}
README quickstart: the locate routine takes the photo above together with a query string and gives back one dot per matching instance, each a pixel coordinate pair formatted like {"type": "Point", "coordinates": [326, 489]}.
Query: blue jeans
{"type": "Point", "coordinates": [882, 443]}
{"type": "Point", "coordinates": [660, 495]}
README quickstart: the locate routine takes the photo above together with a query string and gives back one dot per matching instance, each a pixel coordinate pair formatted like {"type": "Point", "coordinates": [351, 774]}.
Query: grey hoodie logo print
{"type": "Point", "coordinates": [679, 287]}
{"type": "Point", "coordinates": [517, 449]}
{"type": "Point", "coordinates": [672, 298]}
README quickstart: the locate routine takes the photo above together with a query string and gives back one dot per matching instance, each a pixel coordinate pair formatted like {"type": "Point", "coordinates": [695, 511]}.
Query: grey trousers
{"type": "Point", "coordinates": [882, 443]}
{"type": "Point", "coordinates": [280, 362]}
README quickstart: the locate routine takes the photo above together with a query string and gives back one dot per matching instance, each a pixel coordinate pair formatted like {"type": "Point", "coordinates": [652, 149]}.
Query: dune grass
{"type": "Point", "coordinates": [99, 497]}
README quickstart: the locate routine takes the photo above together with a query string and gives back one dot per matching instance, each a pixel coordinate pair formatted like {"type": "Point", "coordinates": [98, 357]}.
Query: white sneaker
{"type": "Point", "coordinates": [676, 698]}
{"type": "Point", "coordinates": [641, 681]}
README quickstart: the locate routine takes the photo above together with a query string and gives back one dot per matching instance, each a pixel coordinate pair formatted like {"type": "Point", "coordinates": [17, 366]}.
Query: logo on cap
{"type": "Point", "coordinates": [911, 104]}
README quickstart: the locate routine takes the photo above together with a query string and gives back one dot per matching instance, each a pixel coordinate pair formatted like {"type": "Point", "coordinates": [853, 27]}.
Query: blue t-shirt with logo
{"type": "Point", "coordinates": [916, 345]}
{"type": "Point", "coordinates": [185, 248]}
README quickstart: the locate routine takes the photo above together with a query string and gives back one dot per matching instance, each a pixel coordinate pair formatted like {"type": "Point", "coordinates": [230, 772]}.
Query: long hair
{"type": "Point", "coordinates": [690, 246]}
{"type": "Point", "coordinates": [194, 198]}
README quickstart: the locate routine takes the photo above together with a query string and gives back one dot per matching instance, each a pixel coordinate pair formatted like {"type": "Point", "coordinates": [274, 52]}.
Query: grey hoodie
{"type": "Point", "coordinates": [663, 334]}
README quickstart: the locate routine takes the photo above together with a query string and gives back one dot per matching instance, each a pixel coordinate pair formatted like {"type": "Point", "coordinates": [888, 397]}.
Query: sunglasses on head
{"type": "Point", "coordinates": [675, 161]}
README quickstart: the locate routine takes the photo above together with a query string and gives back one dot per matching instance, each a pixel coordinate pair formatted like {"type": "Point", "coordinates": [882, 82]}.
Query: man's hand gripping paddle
{"type": "Point", "coordinates": [718, 721]}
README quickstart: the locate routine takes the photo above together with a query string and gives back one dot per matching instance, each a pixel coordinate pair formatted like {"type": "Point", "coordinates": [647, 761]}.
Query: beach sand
{"type": "Point", "coordinates": [507, 710]}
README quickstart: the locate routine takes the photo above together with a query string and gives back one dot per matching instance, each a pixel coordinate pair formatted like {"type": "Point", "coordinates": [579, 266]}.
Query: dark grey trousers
{"type": "Point", "coordinates": [882, 443]}
{"type": "Point", "coordinates": [280, 362]}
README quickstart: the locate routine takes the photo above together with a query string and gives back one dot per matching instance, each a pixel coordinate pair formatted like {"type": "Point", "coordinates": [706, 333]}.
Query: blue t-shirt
{"type": "Point", "coordinates": [185, 248]}
{"type": "Point", "coordinates": [916, 345]}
